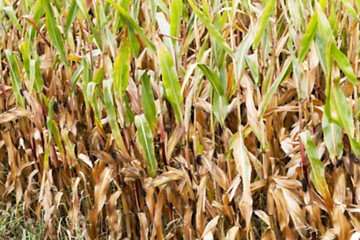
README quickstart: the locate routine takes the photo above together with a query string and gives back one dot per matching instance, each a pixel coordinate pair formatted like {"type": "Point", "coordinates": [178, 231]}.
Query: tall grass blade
{"type": "Point", "coordinates": [122, 67]}
{"type": "Point", "coordinates": [263, 21]}
{"type": "Point", "coordinates": [15, 76]}
{"type": "Point", "coordinates": [171, 81]}
{"type": "Point", "coordinates": [317, 168]}
{"type": "Point", "coordinates": [147, 101]}
{"type": "Point", "coordinates": [146, 143]}
{"type": "Point", "coordinates": [54, 32]}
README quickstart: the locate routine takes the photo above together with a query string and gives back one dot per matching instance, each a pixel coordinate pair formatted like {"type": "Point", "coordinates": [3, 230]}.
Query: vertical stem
{"type": "Point", "coordinates": [162, 135]}
{"type": "Point", "coordinates": [124, 129]}
{"type": "Point", "coordinates": [3, 92]}
{"type": "Point", "coordinates": [184, 39]}
{"type": "Point", "coordinates": [302, 152]}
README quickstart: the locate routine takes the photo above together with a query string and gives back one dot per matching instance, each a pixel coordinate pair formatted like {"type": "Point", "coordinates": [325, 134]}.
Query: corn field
{"type": "Point", "coordinates": [179, 119]}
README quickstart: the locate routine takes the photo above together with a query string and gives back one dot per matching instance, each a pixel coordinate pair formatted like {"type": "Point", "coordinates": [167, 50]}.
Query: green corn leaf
{"type": "Point", "coordinates": [301, 90]}
{"type": "Point", "coordinates": [38, 10]}
{"type": "Point", "coordinates": [122, 67]}
{"type": "Point", "coordinates": [132, 24]}
{"type": "Point", "coordinates": [171, 81]}
{"type": "Point", "coordinates": [355, 146]}
{"type": "Point", "coordinates": [252, 62]}
{"type": "Point", "coordinates": [110, 109]}
{"type": "Point", "coordinates": [213, 78]}
{"type": "Point", "coordinates": [32, 74]}
{"type": "Point", "coordinates": [263, 21]}
{"type": "Point", "coordinates": [205, 7]}
{"type": "Point", "coordinates": [333, 20]}
{"type": "Point", "coordinates": [86, 79]}
{"type": "Point", "coordinates": [73, 12]}
{"type": "Point", "coordinates": [15, 76]}
{"type": "Point", "coordinates": [321, 48]}
{"type": "Point", "coordinates": [330, 131]}
{"type": "Point", "coordinates": [340, 110]}
{"type": "Point", "coordinates": [39, 83]}
{"type": "Point", "coordinates": [176, 12]}
{"type": "Point", "coordinates": [54, 129]}
{"type": "Point", "coordinates": [46, 155]}
{"type": "Point", "coordinates": [109, 40]}
{"type": "Point", "coordinates": [323, 3]}
{"type": "Point", "coordinates": [329, 65]}
{"type": "Point", "coordinates": [317, 168]}
{"type": "Point", "coordinates": [24, 49]}
{"type": "Point", "coordinates": [147, 101]}
{"type": "Point", "coordinates": [214, 33]}
{"type": "Point", "coordinates": [54, 32]}
{"type": "Point", "coordinates": [36, 80]}
{"type": "Point", "coordinates": [146, 143]}
{"type": "Point", "coordinates": [99, 76]}
{"type": "Point", "coordinates": [324, 26]}
{"type": "Point", "coordinates": [241, 53]}
{"type": "Point", "coordinates": [76, 75]}
{"type": "Point", "coordinates": [129, 115]}
{"type": "Point", "coordinates": [135, 47]}
{"type": "Point", "coordinates": [309, 35]}
{"type": "Point", "coordinates": [220, 105]}
{"type": "Point", "coordinates": [96, 100]}
{"type": "Point", "coordinates": [343, 63]}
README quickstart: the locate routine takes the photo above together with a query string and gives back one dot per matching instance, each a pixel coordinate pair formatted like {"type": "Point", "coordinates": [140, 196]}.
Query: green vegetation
{"type": "Point", "coordinates": [179, 119]}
